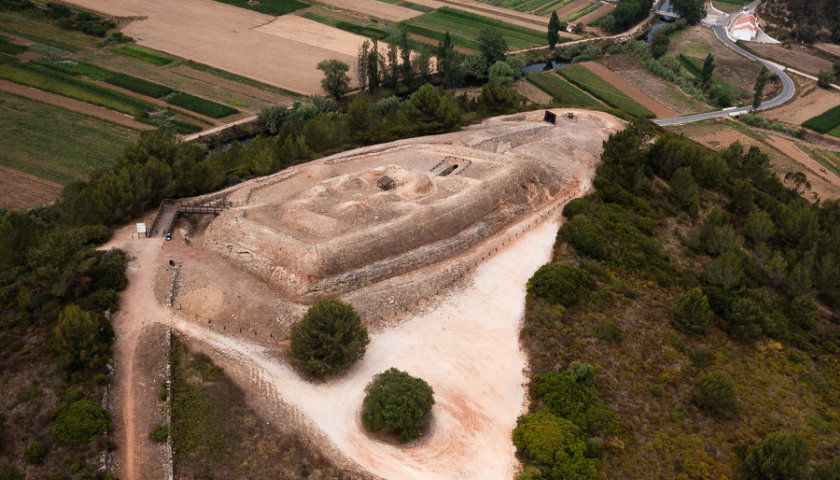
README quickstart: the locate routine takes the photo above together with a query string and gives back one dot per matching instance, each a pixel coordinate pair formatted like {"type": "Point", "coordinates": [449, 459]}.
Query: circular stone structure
{"type": "Point", "coordinates": [357, 218]}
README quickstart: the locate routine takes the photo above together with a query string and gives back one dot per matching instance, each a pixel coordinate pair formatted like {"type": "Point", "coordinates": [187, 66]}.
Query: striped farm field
{"type": "Point", "coordinates": [538, 7]}
{"type": "Point", "coordinates": [562, 91]}
{"type": "Point", "coordinates": [464, 28]}
{"type": "Point", "coordinates": [598, 87]}
{"type": "Point", "coordinates": [50, 80]}
{"type": "Point", "coordinates": [827, 122]}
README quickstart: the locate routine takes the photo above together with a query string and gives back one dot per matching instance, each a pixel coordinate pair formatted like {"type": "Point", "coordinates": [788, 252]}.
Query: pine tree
{"type": "Point", "coordinates": [374, 78]}
{"type": "Point", "coordinates": [706, 73]}
{"type": "Point", "coordinates": [554, 27]}
{"type": "Point", "coordinates": [362, 64]}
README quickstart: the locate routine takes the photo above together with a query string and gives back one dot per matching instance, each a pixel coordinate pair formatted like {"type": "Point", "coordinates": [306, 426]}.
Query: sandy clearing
{"type": "Point", "coordinates": [791, 150]}
{"type": "Point", "coordinates": [810, 102]}
{"type": "Point", "coordinates": [829, 48]}
{"type": "Point", "coordinates": [470, 436]}
{"type": "Point", "coordinates": [796, 56]}
{"type": "Point", "coordinates": [299, 29]}
{"type": "Point", "coordinates": [660, 110]}
{"type": "Point", "coordinates": [73, 105]}
{"type": "Point", "coordinates": [224, 37]}
{"type": "Point", "coordinates": [22, 190]}
{"type": "Point", "coordinates": [375, 8]}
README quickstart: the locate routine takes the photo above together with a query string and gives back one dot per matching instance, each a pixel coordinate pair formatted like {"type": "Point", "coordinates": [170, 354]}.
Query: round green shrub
{"type": "Point", "coordinates": [8, 472]}
{"type": "Point", "coordinates": [778, 456]}
{"type": "Point", "coordinates": [160, 433]}
{"type": "Point", "coordinates": [328, 339]}
{"type": "Point", "coordinates": [561, 284]}
{"type": "Point", "coordinates": [35, 453]}
{"type": "Point", "coordinates": [80, 422]}
{"type": "Point", "coordinates": [692, 313]}
{"type": "Point", "coordinates": [715, 393]}
{"type": "Point", "coordinates": [397, 404]}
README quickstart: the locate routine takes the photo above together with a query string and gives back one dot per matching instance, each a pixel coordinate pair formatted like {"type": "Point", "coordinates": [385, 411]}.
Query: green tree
{"type": "Point", "coordinates": [684, 190]}
{"type": "Point", "coordinates": [760, 82]}
{"type": "Point", "coordinates": [336, 82]}
{"type": "Point", "coordinates": [406, 68]}
{"type": "Point", "coordinates": [827, 471]}
{"type": "Point", "coordinates": [362, 64]}
{"type": "Point", "coordinates": [558, 283]}
{"type": "Point", "coordinates": [397, 404]}
{"type": "Point", "coordinates": [824, 78]}
{"type": "Point", "coordinates": [743, 320]}
{"type": "Point", "coordinates": [80, 422]}
{"type": "Point", "coordinates": [691, 10]}
{"type": "Point", "coordinates": [81, 340]}
{"type": "Point", "coordinates": [492, 46]}
{"type": "Point", "coordinates": [553, 443]}
{"type": "Point", "coordinates": [778, 456]}
{"type": "Point", "coordinates": [692, 313]}
{"type": "Point", "coordinates": [328, 339]}
{"type": "Point", "coordinates": [374, 74]}
{"type": "Point", "coordinates": [715, 394]}
{"type": "Point", "coordinates": [445, 54]}
{"type": "Point", "coordinates": [722, 239]}
{"type": "Point", "coordinates": [496, 98]}
{"type": "Point", "coordinates": [424, 67]}
{"type": "Point", "coordinates": [554, 27]}
{"type": "Point", "coordinates": [502, 73]}
{"type": "Point", "coordinates": [659, 43]}
{"type": "Point", "coordinates": [707, 71]}
{"type": "Point", "coordinates": [34, 453]}
{"type": "Point", "coordinates": [726, 271]}
{"type": "Point", "coordinates": [759, 227]}
{"type": "Point", "coordinates": [431, 111]}
{"type": "Point", "coordinates": [392, 73]}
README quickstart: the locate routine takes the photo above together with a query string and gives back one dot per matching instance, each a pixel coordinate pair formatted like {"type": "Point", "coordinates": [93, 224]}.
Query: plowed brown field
{"type": "Point", "coordinates": [661, 111]}
{"type": "Point", "coordinates": [22, 190]}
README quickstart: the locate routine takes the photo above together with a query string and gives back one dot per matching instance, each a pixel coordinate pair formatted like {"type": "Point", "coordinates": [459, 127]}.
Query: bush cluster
{"type": "Point", "coordinates": [328, 339]}
{"type": "Point", "coordinates": [397, 404]}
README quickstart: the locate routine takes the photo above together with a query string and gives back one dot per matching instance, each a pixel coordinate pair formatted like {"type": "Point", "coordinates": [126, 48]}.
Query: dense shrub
{"type": "Point", "coordinates": [35, 453]}
{"type": "Point", "coordinates": [701, 356]}
{"type": "Point", "coordinates": [8, 472]}
{"type": "Point", "coordinates": [692, 313]}
{"type": "Point", "coordinates": [328, 339]}
{"type": "Point", "coordinates": [553, 444]}
{"type": "Point", "coordinates": [743, 319]}
{"type": "Point", "coordinates": [559, 283]}
{"type": "Point", "coordinates": [81, 340]}
{"type": "Point", "coordinates": [160, 433]}
{"type": "Point", "coordinates": [715, 394]}
{"type": "Point", "coordinates": [397, 404]}
{"type": "Point", "coordinates": [778, 456]}
{"type": "Point", "coordinates": [80, 422]}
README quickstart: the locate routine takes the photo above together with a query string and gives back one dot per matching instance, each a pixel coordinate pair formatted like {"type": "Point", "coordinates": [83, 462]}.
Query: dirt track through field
{"type": "Point", "coordinates": [791, 150]}
{"type": "Point", "coordinates": [809, 102]}
{"type": "Point", "coordinates": [22, 190]}
{"type": "Point", "coordinates": [225, 37]}
{"type": "Point", "coordinates": [73, 105]}
{"type": "Point", "coordinates": [661, 111]}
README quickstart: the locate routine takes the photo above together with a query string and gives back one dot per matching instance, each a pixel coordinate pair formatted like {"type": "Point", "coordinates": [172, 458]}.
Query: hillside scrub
{"type": "Point", "coordinates": [724, 312]}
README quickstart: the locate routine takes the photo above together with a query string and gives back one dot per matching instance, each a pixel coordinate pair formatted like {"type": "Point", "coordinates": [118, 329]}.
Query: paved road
{"type": "Point", "coordinates": [788, 87]}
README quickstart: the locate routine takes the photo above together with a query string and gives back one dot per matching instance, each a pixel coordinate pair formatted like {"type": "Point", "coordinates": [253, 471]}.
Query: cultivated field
{"type": "Point", "coordinates": [658, 109]}
{"type": "Point", "coordinates": [585, 79]}
{"type": "Point", "coordinates": [734, 69]}
{"type": "Point", "coordinates": [562, 91]}
{"type": "Point", "coordinates": [56, 144]}
{"type": "Point", "coordinates": [631, 70]}
{"type": "Point", "coordinates": [21, 190]}
{"type": "Point", "coordinates": [224, 37]}
{"type": "Point", "coordinates": [299, 29]}
{"type": "Point", "coordinates": [810, 102]}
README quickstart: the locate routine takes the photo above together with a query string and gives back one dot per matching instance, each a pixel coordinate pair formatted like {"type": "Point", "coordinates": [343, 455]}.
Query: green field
{"type": "Point", "coordinates": [60, 83]}
{"type": "Point", "coordinates": [562, 91]}
{"type": "Point", "coordinates": [539, 7]}
{"type": "Point", "coordinates": [143, 87]}
{"type": "Point", "coordinates": [826, 122]}
{"type": "Point", "coordinates": [269, 7]}
{"type": "Point", "coordinates": [200, 105]}
{"type": "Point", "coordinates": [10, 48]}
{"type": "Point", "coordinates": [464, 28]}
{"type": "Point", "coordinates": [145, 54]}
{"type": "Point", "coordinates": [56, 144]}
{"type": "Point", "coordinates": [598, 87]}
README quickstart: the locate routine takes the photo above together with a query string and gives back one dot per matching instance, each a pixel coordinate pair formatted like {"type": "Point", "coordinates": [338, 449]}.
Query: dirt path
{"type": "Point", "coordinates": [73, 105]}
{"type": "Point", "coordinates": [22, 190]}
{"type": "Point", "coordinates": [791, 150]}
{"type": "Point", "coordinates": [661, 111]}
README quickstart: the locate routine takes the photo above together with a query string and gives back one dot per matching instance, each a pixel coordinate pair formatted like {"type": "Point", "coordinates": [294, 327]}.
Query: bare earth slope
{"type": "Point", "coordinates": [453, 322]}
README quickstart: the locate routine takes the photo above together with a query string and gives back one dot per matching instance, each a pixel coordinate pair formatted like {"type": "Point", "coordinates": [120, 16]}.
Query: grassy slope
{"type": "Point", "coordinates": [54, 143]}
{"type": "Point", "coordinates": [216, 435]}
